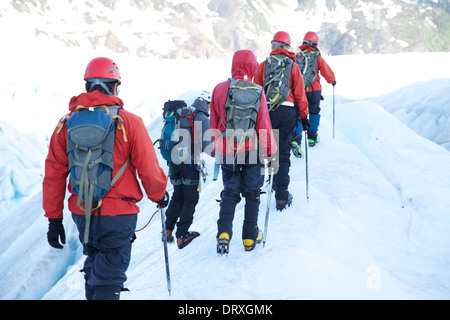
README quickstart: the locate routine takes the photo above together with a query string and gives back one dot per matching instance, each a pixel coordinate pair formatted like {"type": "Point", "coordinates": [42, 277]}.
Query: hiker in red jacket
{"type": "Point", "coordinates": [313, 91]}
{"type": "Point", "coordinates": [242, 166]}
{"type": "Point", "coordinates": [113, 223]}
{"type": "Point", "coordinates": [284, 116]}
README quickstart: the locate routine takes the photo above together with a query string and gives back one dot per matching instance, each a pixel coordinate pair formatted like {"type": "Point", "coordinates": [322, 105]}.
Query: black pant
{"type": "Point", "coordinates": [284, 120]}
{"type": "Point", "coordinates": [246, 180]}
{"type": "Point", "coordinates": [108, 253]}
{"type": "Point", "coordinates": [185, 178]}
{"type": "Point", "coordinates": [314, 98]}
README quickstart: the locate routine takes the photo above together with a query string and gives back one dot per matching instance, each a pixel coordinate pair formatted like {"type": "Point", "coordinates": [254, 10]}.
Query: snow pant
{"type": "Point", "coordinates": [108, 253]}
{"type": "Point", "coordinates": [185, 179]}
{"type": "Point", "coordinates": [246, 180]}
{"type": "Point", "coordinates": [314, 98]}
{"type": "Point", "coordinates": [283, 119]}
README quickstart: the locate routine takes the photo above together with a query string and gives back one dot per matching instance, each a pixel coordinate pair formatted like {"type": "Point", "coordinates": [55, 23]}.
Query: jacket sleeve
{"type": "Point", "coordinates": [264, 128]}
{"type": "Point", "coordinates": [217, 117]}
{"type": "Point", "coordinates": [214, 116]}
{"type": "Point", "coordinates": [260, 74]}
{"type": "Point", "coordinates": [298, 91]}
{"type": "Point", "coordinates": [326, 71]}
{"type": "Point", "coordinates": [144, 159]}
{"type": "Point", "coordinates": [56, 172]}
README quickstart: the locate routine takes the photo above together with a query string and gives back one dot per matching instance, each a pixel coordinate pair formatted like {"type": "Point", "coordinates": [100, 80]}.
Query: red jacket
{"type": "Point", "coordinates": [324, 69]}
{"type": "Point", "coordinates": [243, 67]}
{"type": "Point", "coordinates": [297, 94]}
{"type": "Point", "coordinates": [126, 192]}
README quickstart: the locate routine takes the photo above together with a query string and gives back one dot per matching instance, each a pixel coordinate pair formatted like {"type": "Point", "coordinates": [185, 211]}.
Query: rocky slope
{"type": "Point", "coordinates": [177, 29]}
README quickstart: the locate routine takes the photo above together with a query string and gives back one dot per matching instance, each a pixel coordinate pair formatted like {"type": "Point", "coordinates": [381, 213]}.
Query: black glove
{"type": "Point", "coordinates": [305, 124]}
{"type": "Point", "coordinates": [56, 232]}
{"type": "Point", "coordinates": [334, 83]}
{"type": "Point", "coordinates": [164, 202]}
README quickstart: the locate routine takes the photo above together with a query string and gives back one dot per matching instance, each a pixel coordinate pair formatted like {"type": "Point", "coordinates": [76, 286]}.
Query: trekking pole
{"type": "Point", "coordinates": [334, 112]}
{"type": "Point", "coordinates": [166, 254]}
{"type": "Point", "coordinates": [269, 196]}
{"type": "Point", "coordinates": [306, 165]}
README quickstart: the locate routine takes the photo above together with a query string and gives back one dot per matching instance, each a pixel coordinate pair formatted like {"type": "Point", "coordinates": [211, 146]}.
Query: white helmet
{"type": "Point", "coordinates": [205, 95]}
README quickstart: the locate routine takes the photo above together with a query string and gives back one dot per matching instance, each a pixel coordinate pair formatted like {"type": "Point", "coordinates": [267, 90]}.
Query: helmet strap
{"type": "Point", "coordinates": [101, 83]}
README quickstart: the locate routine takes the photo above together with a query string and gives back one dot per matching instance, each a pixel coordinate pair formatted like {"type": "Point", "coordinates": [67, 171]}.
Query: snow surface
{"type": "Point", "coordinates": [376, 225]}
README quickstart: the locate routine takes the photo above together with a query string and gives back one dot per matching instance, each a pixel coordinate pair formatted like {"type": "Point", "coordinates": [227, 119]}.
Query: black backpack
{"type": "Point", "coordinates": [277, 76]}
{"type": "Point", "coordinates": [307, 63]}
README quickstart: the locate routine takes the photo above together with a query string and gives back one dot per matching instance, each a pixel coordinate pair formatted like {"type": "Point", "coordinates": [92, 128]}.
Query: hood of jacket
{"type": "Point", "coordinates": [284, 53]}
{"type": "Point", "coordinates": [244, 65]}
{"type": "Point", "coordinates": [306, 47]}
{"type": "Point", "coordinates": [94, 98]}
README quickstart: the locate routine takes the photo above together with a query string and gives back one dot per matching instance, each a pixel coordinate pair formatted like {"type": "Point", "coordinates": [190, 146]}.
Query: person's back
{"type": "Point", "coordinates": [240, 175]}
{"type": "Point", "coordinates": [186, 176]}
{"type": "Point", "coordinates": [284, 117]}
{"type": "Point", "coordinates": [314, 90]}
{"type": "Point", "coordinates": [108, 239]}
{"type": "Point", "coordinates": [244, 65]}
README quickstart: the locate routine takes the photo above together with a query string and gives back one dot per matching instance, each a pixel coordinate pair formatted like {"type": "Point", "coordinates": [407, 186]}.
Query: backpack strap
{"type": "Point", "coordinates": [86, 190]}
{"type": "Point", "coordinates": [88, 211]}
{"type": "Point", "coordinates": [89, 188]}
{"type": "Point", "coordinates": [60, 124]}
{"type": "Point", "coordinates": [119, 173]}
{"type": "Point", "coordinates": [121, 127]}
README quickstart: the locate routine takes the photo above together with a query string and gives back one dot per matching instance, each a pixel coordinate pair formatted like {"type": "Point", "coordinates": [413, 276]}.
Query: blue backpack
{"type": "Point", "coordinates": [91, 134]}
{"type": "Point", "coordinates": [175, 145]}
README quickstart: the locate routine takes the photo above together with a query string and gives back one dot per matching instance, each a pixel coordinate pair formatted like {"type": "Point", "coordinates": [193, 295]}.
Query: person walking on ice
{"type": "Point", "coordinates": [103, 148]}
{"type": "Point", "coordinates": [311, 63]}
{"type": "Point", "coordinates": [186, 174]}
{"type": "Point", "coordinates": [287, 103]}
{"type": "Point", "coordinates": [243, 138]}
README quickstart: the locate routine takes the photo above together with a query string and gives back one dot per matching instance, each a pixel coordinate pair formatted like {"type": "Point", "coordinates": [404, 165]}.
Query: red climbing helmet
{"type": "Point", "coordinates": [311, 38]}
{"type": "Point", "coordinates": [282, 36]}
{"type": "Point", "coordinates": [102, 68]}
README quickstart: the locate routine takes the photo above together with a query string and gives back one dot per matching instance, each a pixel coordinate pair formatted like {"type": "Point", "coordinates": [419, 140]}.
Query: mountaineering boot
{"type": "Point", "coordinates": [313, 139]}
{"type": "Point", "coordinates": [186, 239]}
{"type": "Point", "coordinates": [282, 204]}
{"type": "Point", "coordinates": [250, 244]}
{"type": "Point", "coordinates": [223, 243]}
{"type": "Point", "coordinates": [169, 236]}
{"type": "Point", "coordinates": [296, 150]}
